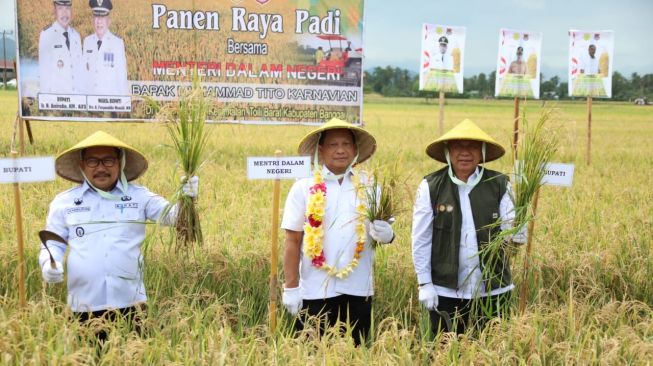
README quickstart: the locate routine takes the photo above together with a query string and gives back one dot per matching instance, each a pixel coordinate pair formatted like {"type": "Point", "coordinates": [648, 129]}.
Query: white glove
{"type": "Point", "coordinates": [292, 300]}
{"type": "Point", "coordinates": [428, 296]}
{"type": "Point", "coordinates": [192, 186]}
{"type": "Point", "coordinates": [521, 237]}
{"type": "Point", "coordinates": [52, 275]}
{"type": "Point", "coordinates": [381, 231]}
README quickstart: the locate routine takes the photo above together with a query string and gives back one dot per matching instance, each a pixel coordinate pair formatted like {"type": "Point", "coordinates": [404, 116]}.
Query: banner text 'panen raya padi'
{"type": "Point", "coordinates": [262, 61]}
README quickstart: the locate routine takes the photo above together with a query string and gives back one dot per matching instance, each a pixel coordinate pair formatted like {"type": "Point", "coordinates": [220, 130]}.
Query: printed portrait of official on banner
{"type": "Point", "coordinates": [260, 61]}
{"type": "Point", "coordinates": [442, 59]}
{"type": "Point", "coordinates": [518, 64]}
{"type": "Point", "coordinates": [590, 63]}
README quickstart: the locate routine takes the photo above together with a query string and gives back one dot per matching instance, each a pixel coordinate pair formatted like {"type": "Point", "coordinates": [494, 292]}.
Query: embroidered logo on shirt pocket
{"type": "Point", "coordinates": [129, 218]}
{"type": "Point", "coordinates": [127, 206]}
{"type": "Point", "coordinates": [71, 210]}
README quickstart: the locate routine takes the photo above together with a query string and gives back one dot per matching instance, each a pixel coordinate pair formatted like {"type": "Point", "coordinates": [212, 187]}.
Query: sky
{"type": "Point", "coordinates": [393, 29]}
{"type": "Point", "coordinates": [393, 33]}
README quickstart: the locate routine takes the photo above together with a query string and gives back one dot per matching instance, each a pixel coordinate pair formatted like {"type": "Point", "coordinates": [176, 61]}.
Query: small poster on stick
{"type": "Point", "coordinates": [518, 64]}
{"type": "Point", "coordinates": [443, 51]}
{"type": "Point", "coordinates": [590, 63]}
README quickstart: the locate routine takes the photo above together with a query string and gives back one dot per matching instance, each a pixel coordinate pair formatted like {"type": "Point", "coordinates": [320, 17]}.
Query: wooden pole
{"type": "Point", "coordinates": [21, 136]}
{"type": "Point", "coordinates": [527, 257]}
{"type": "Point", "coordinates": [14, 134]}
{"type": "Point", "coordinates": [4, 59]}
{"type": "Point", "coordinates": [28, 127]}
{"type": "Point", "coordinates": [515, 128]}
{"type": "Point", "coordinates": [274, 252]}
{"type": "Point", "coordinates": [589, 130]}
{"type": "Point", "coordinates": [19, 236]}
{"type": "Point", "coordinates": [441, 124]}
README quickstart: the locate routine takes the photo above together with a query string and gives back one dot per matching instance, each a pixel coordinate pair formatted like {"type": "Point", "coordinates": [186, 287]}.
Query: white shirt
{"type": "Point", "coordinates": [590, 66]}
{"type": "Point", "coordinates": [104, 263]}
{"type": "Point", "coordinates": [339, 240]}
{"type": "Point", "coordinates": [60, 68]}
{"type": "Point", "coordinates": [106, 67]}
{"type": "Point", "coordinates": [441, 61]}
{"type": "Point", "coordinates": [469, 273]}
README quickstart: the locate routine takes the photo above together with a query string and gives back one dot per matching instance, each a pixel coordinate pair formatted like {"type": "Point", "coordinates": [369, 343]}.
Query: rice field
{"type": "Point", "coordinates": [590, 298]}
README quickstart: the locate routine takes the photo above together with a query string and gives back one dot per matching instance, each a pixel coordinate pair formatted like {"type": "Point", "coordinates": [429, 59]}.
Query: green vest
{"type": "Point", "coordinates": [485, 198]}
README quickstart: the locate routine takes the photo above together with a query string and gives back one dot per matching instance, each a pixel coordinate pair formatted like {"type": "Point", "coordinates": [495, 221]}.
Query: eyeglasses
{"type": "Point", "coordinates": [95, 162]}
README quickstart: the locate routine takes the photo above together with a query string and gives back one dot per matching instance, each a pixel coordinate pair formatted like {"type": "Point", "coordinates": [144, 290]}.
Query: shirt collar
{"type": "Point", "coordinates": [59, 28]}
{"type": "Point", "coordinates": [106, 37]}
{"type": "Point", "coordinates": [471, 178]}
{"type": "Point", "coordinates": [326, 172]}
{"type": "Point", "coordinates": [87, 187]}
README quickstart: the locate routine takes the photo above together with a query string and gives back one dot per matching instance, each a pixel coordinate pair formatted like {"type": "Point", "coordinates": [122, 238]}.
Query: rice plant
{"type": "Point", "coordinates": [382, 194]}
{"type": "Point", "coordinates": [537, 144]}
{"type": "Point", "coordinates": [590, 294]}
{"type": "Point", "coordinates": [185, 122]}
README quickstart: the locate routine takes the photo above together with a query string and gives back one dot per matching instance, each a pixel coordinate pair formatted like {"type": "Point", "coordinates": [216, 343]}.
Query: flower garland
{"type": "Point", "coordinates": [314, 231]}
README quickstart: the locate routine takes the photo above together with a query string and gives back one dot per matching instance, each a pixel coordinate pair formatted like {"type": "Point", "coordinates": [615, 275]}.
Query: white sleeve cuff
{"type": "Point", "coordinates": [424, 278]}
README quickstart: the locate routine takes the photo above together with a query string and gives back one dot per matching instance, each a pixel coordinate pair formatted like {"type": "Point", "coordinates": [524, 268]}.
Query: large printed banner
{"type": "Point", "coordinates": [518, 64]}
{"type": "Point", "coordinates": [443, 53]}
{"type": "Point", "coordinates": [590, 63]}
{"type": "Point", "coordinates": [261, 61]}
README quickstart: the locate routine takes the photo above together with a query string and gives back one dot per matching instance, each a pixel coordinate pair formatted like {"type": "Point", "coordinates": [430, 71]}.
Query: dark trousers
{"type": "Point", "coordinates": [464, 313]}
{"type": "Point", "coordinates": [133, 315]}
{"type": "Point", "coordinates": [353, 310]}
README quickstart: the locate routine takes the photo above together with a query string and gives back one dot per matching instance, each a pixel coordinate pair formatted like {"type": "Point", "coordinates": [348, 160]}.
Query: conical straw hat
{"type": "Point", "coordinates": [465, 130]}
{"type": "Point", "coordinates": [364, 140]}
{"type": "Point", "coordinates": [67, 163]}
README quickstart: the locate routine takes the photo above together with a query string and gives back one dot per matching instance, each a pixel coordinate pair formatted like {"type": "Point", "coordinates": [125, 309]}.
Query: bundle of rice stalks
{"type": "Point", "coordinates": [185, 122]}
{"type": "Point", "coordinates": [536, 147]}
{"type": "Point", "coordinates": [381, 196]}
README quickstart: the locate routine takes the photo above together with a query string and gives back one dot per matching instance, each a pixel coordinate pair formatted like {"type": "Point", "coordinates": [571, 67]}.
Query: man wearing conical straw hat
{"type": "Point", "coordinates": [328, 256]}
{"type": "Point", "coordinates": [102, 220]}
{"type": "Point", "coordinates": [458, 211]}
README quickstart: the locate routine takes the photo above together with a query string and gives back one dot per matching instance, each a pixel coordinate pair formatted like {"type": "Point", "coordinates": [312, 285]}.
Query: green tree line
{"type": "Point", "coordinates": [396, 82]}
